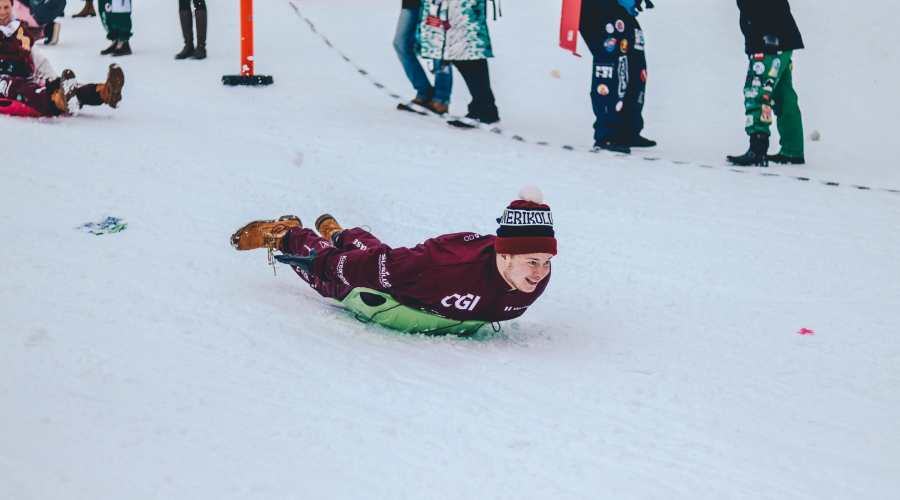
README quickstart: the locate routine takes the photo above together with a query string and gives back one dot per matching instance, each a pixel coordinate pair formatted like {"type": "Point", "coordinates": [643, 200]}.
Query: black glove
{"type": "Point", "coordinates": [639, 2]}
{"type": "Point", "coordinates": [305, 263]}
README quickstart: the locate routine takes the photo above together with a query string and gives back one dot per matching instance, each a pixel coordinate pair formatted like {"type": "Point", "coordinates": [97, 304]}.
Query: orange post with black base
{"type": "Point", "coordinates": [247, 77]}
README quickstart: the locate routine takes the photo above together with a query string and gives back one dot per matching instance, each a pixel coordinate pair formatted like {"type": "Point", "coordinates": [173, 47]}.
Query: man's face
{"type": "Point", "coordinates": [523, 271]}
{"type": "Point", "coordinates": [5, 12]}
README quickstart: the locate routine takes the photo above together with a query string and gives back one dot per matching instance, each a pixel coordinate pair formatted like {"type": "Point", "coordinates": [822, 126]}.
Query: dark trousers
{"type": "Point", "coordinates": [619, 79]}
{"type": "Point", "coordinates": [300, 240]}
{"type": "Point", "coordinates": [477, 78]}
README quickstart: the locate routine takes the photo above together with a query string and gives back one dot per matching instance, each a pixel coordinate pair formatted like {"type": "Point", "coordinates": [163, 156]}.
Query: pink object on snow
{"type": "Point", "coordinates": [805, 331]}
{"type": "Point", "coordinates": [16, 108]}
{"type": "Point", "coordinates": [23, 13]}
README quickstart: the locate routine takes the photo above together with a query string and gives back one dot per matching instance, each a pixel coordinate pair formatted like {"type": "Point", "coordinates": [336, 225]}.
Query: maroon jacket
{"type": "Point", "coordinates": [16, 49]}
{"type": "Point", "coordinates": [454, 276]}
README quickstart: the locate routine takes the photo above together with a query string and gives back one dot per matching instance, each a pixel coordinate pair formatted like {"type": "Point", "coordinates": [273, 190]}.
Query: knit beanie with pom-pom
{"type": "Point", "coordinates": [526, 225]}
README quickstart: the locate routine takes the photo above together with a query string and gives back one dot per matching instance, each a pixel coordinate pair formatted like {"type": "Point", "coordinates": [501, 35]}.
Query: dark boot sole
{"type": "Point", "coordinates": [761, 163]}
{"type": "Point", "coordinates": [69, 86]}
{"type": "Point", "coordinates": [115, 80]}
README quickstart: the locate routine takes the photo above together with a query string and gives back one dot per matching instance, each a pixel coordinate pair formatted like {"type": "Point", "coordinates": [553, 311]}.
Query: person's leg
{"type": "Point", "coordinates": [763, 76]}
{"type": "Point", "coordinates": [477, 77]}
{"type": "Point", "coordinates": [108, 92]}
{"type": "Point", "coordinates": [405, 46]}
{"type": "Point", "coordinates": [104, 7]}
{"type": "Point", "coordinates": [356, 239]}
{"type": "Point", "coordinates": [443, 81]}
{"type": "Point", "coordinates": [187, 28]}
{"type": "Point", "coordinates": [609, 80]}
{"type": "Point", "coordinates": [200, 15]}
{"type": "Point", "coordinates": [789, 122]}
{"type": "Point", "coordinates": [301, 241]}
{"type": "Point", "coordinates": [633, 103]}
{"type": "Point", "coordinates": [24, 91]}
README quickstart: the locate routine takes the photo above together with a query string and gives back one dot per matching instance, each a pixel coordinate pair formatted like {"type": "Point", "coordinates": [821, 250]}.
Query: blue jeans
{"type": "Point", "coordinates": [405, 45]}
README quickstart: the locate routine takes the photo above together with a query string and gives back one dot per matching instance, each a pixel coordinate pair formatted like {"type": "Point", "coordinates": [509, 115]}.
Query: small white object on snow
{"type": "Point", "coordinates": [532, 194]}
{"type": "Point", "coordinates": [814, 135]}
{"type": "Point", "coordinates": [555, 73]}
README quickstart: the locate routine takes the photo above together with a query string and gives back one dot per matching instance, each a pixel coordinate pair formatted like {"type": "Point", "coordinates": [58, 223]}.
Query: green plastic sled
{"type": "Point", "coordinates": [371, 306]}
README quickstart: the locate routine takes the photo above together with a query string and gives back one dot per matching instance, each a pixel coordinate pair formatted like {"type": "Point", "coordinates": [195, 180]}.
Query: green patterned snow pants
{"type": "Point", "coordinates": [117, 24]}
{"type": "Point", "coordinates": [769, 89]}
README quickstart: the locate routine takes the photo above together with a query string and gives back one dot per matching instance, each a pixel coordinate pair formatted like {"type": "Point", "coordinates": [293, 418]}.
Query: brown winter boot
{"type": "Point", "coordinates": [58, 100]}
{"type": "Point", "coordinates": [264, 233]}
{"type": "Point", "coordinates": [328, 227]}
{"type": "Point", "coordinates": [111, 90]}
{"type": "Point", "coordinates": [88, 10]}
{"type": "Point", "coordinates": [436, 107]}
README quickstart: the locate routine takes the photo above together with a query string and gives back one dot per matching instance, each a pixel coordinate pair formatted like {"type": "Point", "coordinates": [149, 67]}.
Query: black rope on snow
{"type": "Point", "coordinates": [518, 138]}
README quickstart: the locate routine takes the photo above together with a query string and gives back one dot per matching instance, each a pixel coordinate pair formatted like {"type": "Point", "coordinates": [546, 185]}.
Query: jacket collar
{"type": "Point", "coordinates": [10, 28]}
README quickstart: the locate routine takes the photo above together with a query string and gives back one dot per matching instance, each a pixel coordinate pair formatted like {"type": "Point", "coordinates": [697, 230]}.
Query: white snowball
{"type": "Point", "coordinates": [814, 135]}
{"type": "Point", "coordinates": [532, 194]}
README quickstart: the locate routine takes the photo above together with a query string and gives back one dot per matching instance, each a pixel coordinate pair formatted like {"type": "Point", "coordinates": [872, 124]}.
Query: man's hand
{"type": "Point", "coordinates": [304, 263]}
{"type": "Point", "coordinates": [639, 2]}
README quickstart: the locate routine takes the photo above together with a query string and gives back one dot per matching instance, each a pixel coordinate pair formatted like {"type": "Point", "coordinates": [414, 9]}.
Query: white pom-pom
{"type": "Point", "coordinates": [532, 194]}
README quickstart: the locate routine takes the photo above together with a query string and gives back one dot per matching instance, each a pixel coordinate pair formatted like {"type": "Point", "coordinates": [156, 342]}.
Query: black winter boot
{"type": "Point", "coordinates": [788, 160]}
{"type": "Point", "coordinates": [110, 49]}
{"type": "Point", "coordinates": [123, 48]}
{"type": "Point", "coordinates": [200, 51]}
{"type": "Point", "coordinates": [612, 145]}
{"type": "Point", "coordinates": [187, 30]}
{"type": "Point", "coordinates": [640, 142]}
{"type": "Point", "coordinates": [757, 155]}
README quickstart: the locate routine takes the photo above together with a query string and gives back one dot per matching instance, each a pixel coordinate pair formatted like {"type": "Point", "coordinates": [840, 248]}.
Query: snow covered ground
{"type": "Point", "coordinates": [664, 360]}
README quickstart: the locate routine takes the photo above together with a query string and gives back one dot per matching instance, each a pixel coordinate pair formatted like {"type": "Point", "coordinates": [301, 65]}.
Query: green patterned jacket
{"type": "Point", "coordinates": [454, 30]}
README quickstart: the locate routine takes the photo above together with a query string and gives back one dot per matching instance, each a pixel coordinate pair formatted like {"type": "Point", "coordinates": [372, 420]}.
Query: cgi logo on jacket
{"type": "Point", "coordinates": [465, 302]}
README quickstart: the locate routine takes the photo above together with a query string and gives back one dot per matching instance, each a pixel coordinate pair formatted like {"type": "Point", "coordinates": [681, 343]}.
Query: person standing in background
{"type": "Point", "coordinates": [116, 18]}
{"type": "Point", "coordinates": [770, 39]}
{"type": "Point", "coordinates": [187, 24]}
{"type": "Point", "coordinates": [456, 31]}
{"type": "Point", "coordinates": [437, 98]}
{"type": "Point", "coordinates": [616, 41]}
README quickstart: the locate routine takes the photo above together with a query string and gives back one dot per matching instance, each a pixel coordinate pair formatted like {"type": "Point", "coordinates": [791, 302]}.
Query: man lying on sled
{"type": "Point", "coordinates": [450, 284]}
{"type": "Point", "coordinates": [30, 87]}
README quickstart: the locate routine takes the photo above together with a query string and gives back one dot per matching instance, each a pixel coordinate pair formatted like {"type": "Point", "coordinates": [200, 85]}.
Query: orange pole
{"type": "Point", "coordinates": [247, 37]}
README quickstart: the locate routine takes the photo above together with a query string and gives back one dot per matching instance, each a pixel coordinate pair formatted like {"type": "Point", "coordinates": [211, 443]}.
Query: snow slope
{"type": "Point", "coordinates": [663, 361]}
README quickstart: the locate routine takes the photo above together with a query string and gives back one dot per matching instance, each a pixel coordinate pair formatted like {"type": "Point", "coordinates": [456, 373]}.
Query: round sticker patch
{"type": "Point", "coordinates": [602, 89]}
{"type": "Point", "coordinates": [610, 44]}
{"type": "Point", "coordinates": [759, 67]}
{"type": "Point", "coordinates": [623, 46]}
{"type": "Point", "coordinates": [619, 106]}
{"type": "Point", "coordinates": [620, 25]}
{"type": "Point", "coordinates": [609, 28]}
{"type": "Point", "coordinates": [643, 75]}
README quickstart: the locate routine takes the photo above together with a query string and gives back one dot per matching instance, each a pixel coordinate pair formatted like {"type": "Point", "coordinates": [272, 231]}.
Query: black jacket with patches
{"type": "Point", "coordinates": [595, 14]}
{"type": "Point", "coordinates": [768, 26]}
